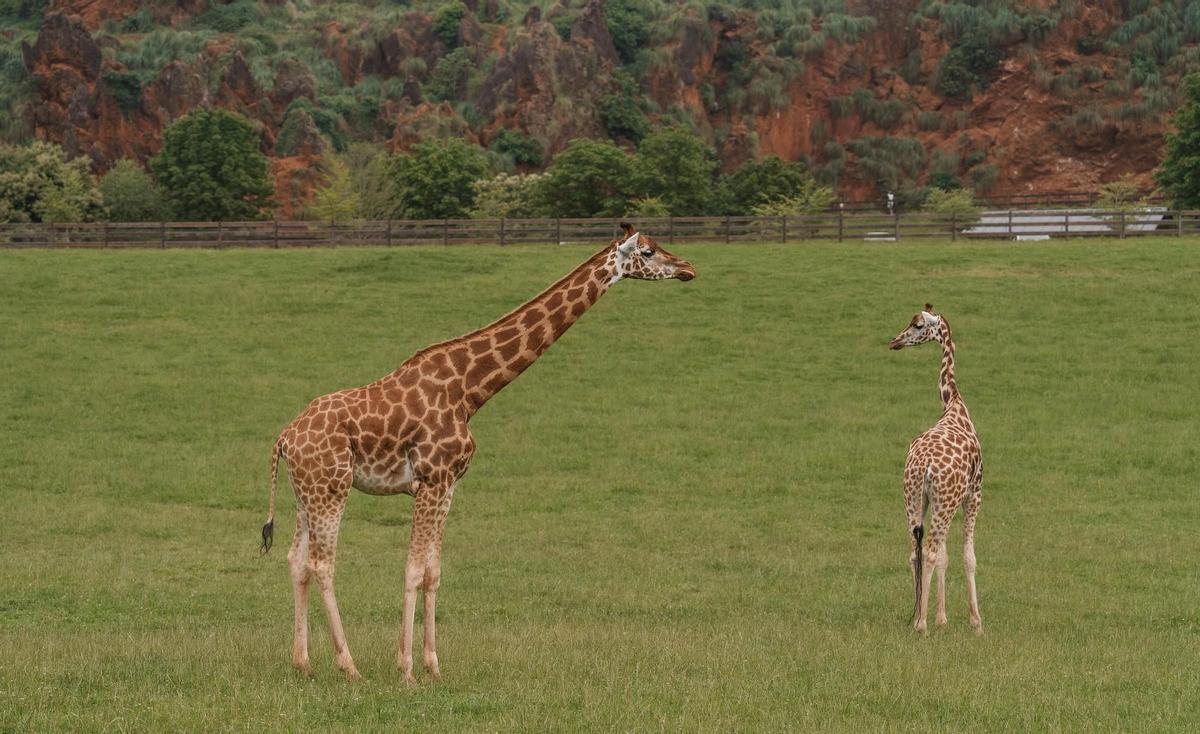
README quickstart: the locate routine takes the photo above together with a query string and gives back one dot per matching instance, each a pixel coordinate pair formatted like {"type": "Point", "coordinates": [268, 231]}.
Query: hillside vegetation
{"type": "Point", "coordinates": [873, 95]}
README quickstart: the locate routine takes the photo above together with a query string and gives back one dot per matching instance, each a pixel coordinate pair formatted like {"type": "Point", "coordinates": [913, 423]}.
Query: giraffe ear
{"type": "Point", "coordinates": [627, 247]}
{"type": "Point", "coordinates": [627, 228]}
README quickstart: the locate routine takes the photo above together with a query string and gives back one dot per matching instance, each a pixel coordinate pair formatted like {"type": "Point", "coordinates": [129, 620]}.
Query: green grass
{"type": "Point", "coordinates": [686, 516]}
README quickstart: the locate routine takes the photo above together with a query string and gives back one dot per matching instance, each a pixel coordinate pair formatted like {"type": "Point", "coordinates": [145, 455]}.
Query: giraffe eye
{"type": "Point", "coordinates": [647, 253]}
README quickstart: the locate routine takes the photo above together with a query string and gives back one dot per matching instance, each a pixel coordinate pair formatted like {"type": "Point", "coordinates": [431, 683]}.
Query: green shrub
{"type": "Point", "coordinates": [229, 18]}
{"type": "Point", "coordinates": [648, 207]}
{"type": "Point", "coordinates": [563, 22]}
{"type": "Point", "coordinates": [131, 195]}
{"type": "Point", "coordinates": [507, 196]}
{"type": "Point", "coordinates": [125, 87]}
{"type": "Point", "coordinates": [619, 110]}
{"type": "Point", "coordinates": [928, 121]}
{"type": "Point", "coordinates": [588, 178]}
{"type": "Point", "coordinates": [629, 24]}
{"type": "Point", "coordinates": [446, 20]}
{"type": "Point", "coordinates": [959, 203]}
{"type": "Point", "coordinates": [811, 198]}
{"type": "Point", "coordinates": [1124, 195]}
{"type": "Point", "coordinates": [436, 179]}
{"type": "Point", "coordinates": [674, 165]}
{"type": "Point", "coordinates": [449, 78]}
{"type": "Point", "coordinates": [524, 150]}
{"type": "Point", "coordinates": [760, 181]}
{"type": "Point", "coordinates": [984, 177]}
{"type": "Point", "coordinates": [335, 200]}
{"type": "Point", "coordinates": [38, 183]}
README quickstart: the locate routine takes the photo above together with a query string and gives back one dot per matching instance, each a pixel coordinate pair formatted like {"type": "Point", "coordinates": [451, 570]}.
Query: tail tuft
{"type": "Point", "coordinates": [268, 537]}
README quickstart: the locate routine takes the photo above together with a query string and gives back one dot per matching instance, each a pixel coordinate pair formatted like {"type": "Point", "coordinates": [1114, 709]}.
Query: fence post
{"type": "Point", "coordinates": [162, 235]}
{"type": "Point", "coordinates": [445, 231]}
{"type": "Point", "coordinates": [953, 226]}
{"type": "Point", "coordinates": [220, 235]}
{"type": "Point", "coordinates": [841, 221]}
{"type": "Point", "coordinates": [1179, 223]}
{"type": "Point", "coordinates": [275, 237]}
{"type": "Point", "coordinates": [1122, 225]}
{"type": "Point", "coordinates": [783, 227]}
{"type": "Point", "coordinates": [896, 224]}
{"type": "Point", "coordinates": [727, 228]}
{"type": "Point", "coordinates": [671, 230]}
{"type": "Point", "coordinates": [1067, 223]}
{"type": "Point", "coordinates": [558, 230]}
{"type": "Point", "coordinates": [1010, 232]}
{"type": "Point", "coordinates": [389, 232]}
{"type": "Point", "coordinates": [106, 234]}
{"type": "Point", "coordinates": [502, 231]}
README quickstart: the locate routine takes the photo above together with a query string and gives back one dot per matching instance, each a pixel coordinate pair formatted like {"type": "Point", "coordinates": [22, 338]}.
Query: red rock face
{"type": "Point", "coordinates": [544, 85]}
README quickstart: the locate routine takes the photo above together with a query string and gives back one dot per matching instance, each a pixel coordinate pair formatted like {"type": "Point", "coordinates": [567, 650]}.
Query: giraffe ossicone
{"type": "Point", "coordinates": [943, 469]}
{"type": "Point", "coordinates": [407, 433]}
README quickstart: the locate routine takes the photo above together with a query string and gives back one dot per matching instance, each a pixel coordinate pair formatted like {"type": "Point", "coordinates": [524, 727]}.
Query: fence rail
{"type": "Point", "coordinates": [836, 225]}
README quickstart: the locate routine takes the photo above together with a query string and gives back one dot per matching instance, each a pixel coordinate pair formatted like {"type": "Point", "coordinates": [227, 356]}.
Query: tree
{"type": "Point", "coordinates": [336, 200]}
{"type": "Point", "coordinates": [211, 168]}
{"type": "Point", "coordinates": [648, 206]}
{"type": "Point", "coordinates": [619, 111]}
{"type": "Point", "coordinates": [810, 198]}
{"type": "Point", "coordinates": [131, 195]}
{"type": "Point", "coordinates": [588, 178]}
{"type": "Point", "coordinates": [764, 180]}
{"type": "Point", "coordinates": [1123, 195]}
{"type": "Point", "coordinates": [1179, 175]}
{"type": "Point", "coordinates": [508, 196]}
{"type": "Point", "coordinates": [673, 165]}
{"type": "Point", "coordinates": [959, 203]}
{"type": "Point", "coordinates": [39, 184]}
{"type": "Point", "coordinates": [435, 180]}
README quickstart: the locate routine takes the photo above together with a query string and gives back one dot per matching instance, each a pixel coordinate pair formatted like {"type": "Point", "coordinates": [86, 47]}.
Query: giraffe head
{"type": "Point", "coordinates": [640, 257]}
{"type": "Point", "coordinates": [926, 326]}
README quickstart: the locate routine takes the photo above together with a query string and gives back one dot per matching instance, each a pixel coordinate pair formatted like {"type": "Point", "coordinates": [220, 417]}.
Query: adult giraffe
{"type": "Point", "coordinates": [944, 469]}
{"type": "Point", "coordinates": [407, 434]}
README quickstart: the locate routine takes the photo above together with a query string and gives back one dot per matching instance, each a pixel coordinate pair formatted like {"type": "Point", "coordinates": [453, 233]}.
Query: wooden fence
{"type": "Point", "coordinates": [835, 225]}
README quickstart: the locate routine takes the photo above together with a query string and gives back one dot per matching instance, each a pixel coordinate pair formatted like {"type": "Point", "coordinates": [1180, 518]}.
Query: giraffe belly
{"type": "Point", "coordinates": [379, 481]}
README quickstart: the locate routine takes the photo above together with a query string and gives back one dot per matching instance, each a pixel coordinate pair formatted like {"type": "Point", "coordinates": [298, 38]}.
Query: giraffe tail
{"type": "Point", "coordinates": [268, 531]}
{"type": "Point", "coordinates": [919, 535]}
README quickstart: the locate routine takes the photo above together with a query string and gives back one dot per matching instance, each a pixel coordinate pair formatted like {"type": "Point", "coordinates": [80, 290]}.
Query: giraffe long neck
{"type": "Point", "coordinates": [489, 359]}
{"type": "Point", "coordinates": [949, 389]}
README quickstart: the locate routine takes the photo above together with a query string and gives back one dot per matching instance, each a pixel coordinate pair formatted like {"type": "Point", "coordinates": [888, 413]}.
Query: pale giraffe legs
{"type": "Point", "coordinates": [935, 541]}
{"type": "Point", "coordinates": [969, 514]}
{"type": "Point", "coordinates": [298, 563]}
{"type": "Point", "coordinates": [423, 571]}
{"type": "Point", "coordinates": [943, 560]}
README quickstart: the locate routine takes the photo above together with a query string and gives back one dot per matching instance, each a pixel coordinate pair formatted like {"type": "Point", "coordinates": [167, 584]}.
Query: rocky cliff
{"type": "Point", "coordinates": [1059, 96]}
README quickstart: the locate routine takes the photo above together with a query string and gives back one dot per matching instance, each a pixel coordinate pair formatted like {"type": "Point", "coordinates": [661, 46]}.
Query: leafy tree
{"type": "Point", "coordinates": [1179, 175]}
{"type": "Point", "coordinates": [673, 165]}
{"type": "Point", "coordinates": [619, 111]}
{"type": "Point", "coordinates": [509, 196]}
{"type": "Point", "coordinates": [810, 198]}
{"type": "Point", "coordinates": [450, 75]}
{"type": "Point", "coordinates": [229, 17]}
{"type": "Point", "coordinates": [211, 167]}
{"type": "Point", "coordinates": [764, 180]}
{"type": "Point", "coordinates": [588, 178]}
{"type": "Point", "coordinates": [524, 149]}
{"type": "Point", "coordinates": [966, 66]}
{"type": "Point", "coordinates": [446, 20]}
{"type": "Point", "coordinates": [648, 206]}
{"type": "Point", "coordinates": [131, 195]}
{"type": "Point", "coordinates": [958, 202]}
{"type": "Point", "coordinates": [39, 184]}
{"type": "Point", "coordinates": [1123, 195]}
{"type": "Point", "coordinates": [435, 180]}
{"type": "Point", "coordinates": [629, 24]}
{"type": "Point", "coordinates": [336, 199]}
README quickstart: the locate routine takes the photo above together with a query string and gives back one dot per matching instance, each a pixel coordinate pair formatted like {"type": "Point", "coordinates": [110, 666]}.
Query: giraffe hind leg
{"type": "Point", "coordinates": [300, 573]}
{"type": "Point", "coordinates": [969, 515]}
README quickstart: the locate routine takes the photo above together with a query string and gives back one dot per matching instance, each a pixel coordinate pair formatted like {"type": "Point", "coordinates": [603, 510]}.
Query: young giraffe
{"type": "Point", "coordinates": [944, 469]}
{"type": "Point", "coordinates": [407, 434]}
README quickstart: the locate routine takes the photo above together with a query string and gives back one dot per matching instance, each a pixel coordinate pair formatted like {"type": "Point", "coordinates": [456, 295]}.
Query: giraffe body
{"type": "Point", "coordinates": [943, 470]}
{"type": "Point", "coordinates": [408, 433]}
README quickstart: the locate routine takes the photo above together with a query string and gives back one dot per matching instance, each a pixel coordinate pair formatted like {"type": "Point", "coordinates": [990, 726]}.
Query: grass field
{"type": "Point", "coordinates": [686, 516]}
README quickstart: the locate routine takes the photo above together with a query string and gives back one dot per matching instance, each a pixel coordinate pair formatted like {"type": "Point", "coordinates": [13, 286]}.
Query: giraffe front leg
{"type": "Point", "coordinates": [423, 572]}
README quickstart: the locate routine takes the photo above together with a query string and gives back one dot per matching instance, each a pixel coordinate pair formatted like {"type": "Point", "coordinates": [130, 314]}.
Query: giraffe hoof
{"type": "Point", "coordinates": [303, 668]}
{"type": "Point", "coordinates": [409, 680]}
{"type": "Point", "coordinates": [941, 622]}
{"type": "Point", "coordinates": [353, 675]}
{"type": "Point", "coordinates": [435, 675]}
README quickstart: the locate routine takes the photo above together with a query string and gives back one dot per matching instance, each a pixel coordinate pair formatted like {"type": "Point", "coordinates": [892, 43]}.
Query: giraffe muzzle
{"type": "Point", "coordinates": [896, 343]}
{"type": "Point", "coordinates": [685, 273]}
